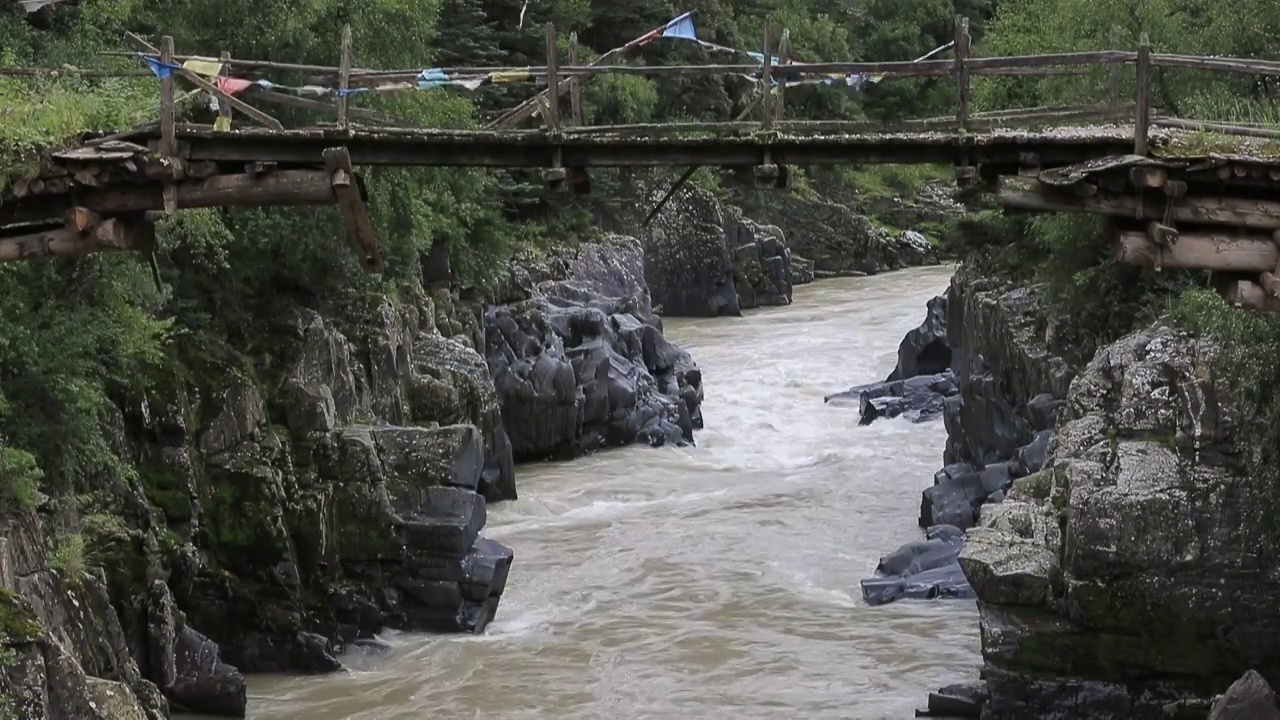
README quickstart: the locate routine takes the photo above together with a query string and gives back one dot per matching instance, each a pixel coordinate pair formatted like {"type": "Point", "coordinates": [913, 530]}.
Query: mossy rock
{"type": "Point", "coordinates": [1034, 487]}
{"type": "Point", "coordinates": [18, 622]}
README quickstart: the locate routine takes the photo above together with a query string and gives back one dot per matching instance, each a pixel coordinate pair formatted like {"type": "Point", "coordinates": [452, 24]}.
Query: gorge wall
{"type": "Point", "coordinates": [290, 497]}
{"type": "Point", "coordinates": [1109, 544]}
{"type": "Point", "coordinates": [283, 495]}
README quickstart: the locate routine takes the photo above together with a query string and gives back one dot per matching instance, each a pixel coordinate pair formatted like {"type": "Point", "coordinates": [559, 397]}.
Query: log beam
{"type": "Point", "coordinates": [1248, 295]}
{"type": "Point", "coordinates": [1209, 251]}
{"type": "Point", "coordinates": [284, 188]}
{"type": "Point", "coordinates": [1206, 210]}
{"type": "Point", "coordinates": [342, 179]}
{"type": "Point", "coordinates": [110, 234]}
{"type": "Point", "coordinates": [80, 219]}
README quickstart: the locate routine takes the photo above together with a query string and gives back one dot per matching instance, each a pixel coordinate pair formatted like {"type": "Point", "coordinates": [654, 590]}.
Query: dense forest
{"type": "Point", "coordinates": [75, 334]}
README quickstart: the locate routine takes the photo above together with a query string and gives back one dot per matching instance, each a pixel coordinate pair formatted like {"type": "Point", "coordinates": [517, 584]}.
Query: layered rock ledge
{"type": "Point", "coordinates": [1116, 570]}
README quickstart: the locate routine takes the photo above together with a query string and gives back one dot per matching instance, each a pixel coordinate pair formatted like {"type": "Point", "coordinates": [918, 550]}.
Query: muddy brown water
{"type": "Point", "coordinates": [718, 581]}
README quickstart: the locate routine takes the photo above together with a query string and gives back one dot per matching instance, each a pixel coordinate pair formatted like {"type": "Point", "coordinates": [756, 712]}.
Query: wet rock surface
{"type": "Point", "coordinates": [921, 382]}
{"type": "Point", "coordinates": [922, 570]}
{"type": "Point", "coordinates": [580, 363]}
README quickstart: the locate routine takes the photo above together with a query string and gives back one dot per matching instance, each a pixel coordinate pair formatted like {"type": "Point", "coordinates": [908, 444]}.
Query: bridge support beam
{"type": "Point", "coordinates": [107, 235]}
{"type": "Point", "coordinates": [1249, 295]}
{"type": "Point", "coordinates": [1221, 252]}
{"type": "Point", "coordinates": [283, 188]}
{"type": "Point", "coordinates": [1203, 210]}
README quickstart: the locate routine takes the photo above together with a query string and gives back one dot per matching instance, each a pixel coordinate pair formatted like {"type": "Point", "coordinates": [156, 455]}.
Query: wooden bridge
{"type": "Point", "coordinates": [1172, 208]}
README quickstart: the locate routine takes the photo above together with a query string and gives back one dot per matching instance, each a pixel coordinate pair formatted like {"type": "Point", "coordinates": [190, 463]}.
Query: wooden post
{"type": "Point", "coordinates": [575, 83]}
{"type": "Point", "coordinates": [766, 82]}
{"type": "Point", "coordinates": [168, 124]}
{"type": "Point", "coordinates": [344, 78]}
{"type": "Point", "coordinates": [553, 77]}
{"type": "Point", "coordinates": [1142, 119]}
{"type": "Point", "coordinates": [784, 49]}
{"type": "Point", "coordinates": [224, 108]}
{"type": "Point", "coordinates": [168, 141]}
{"type": "Point", "coordinates": [962, 72]}
{"type": "Point", "coordinates": [1113, 72]}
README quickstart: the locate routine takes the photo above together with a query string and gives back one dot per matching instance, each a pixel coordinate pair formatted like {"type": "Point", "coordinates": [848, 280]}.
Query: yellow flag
{"type": "Point", "coordinates": [222, 124]}
{"type": "Point", "coordinates": [511, 76]}
{"type": "Point", "coordinates": [209, 68]}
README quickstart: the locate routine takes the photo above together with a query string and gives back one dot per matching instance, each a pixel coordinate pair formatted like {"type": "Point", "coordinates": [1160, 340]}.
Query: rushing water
{"type": "Point", "coordinates": [710, 582]}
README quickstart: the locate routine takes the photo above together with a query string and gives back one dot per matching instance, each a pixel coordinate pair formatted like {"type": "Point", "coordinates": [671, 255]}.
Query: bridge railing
{"type": "Point", "coordinates": [344, 82]}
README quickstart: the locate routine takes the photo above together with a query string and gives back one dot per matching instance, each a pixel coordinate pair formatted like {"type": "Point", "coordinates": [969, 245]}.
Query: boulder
{"type": "Point", "coordinates": [919, 399]}
{"type": "Point", "coordinates": [920, 570]}
{"type": "Point", "coordinates": [687, 260]}
{"type": "Point", "coordinates": [1249, 698]}
{"type": "Point", "coordinates": [925, 350]}
{"type": "Point", "coordinates": [578, 369]}
{"type": "Point", "coordinates": [762, 263]}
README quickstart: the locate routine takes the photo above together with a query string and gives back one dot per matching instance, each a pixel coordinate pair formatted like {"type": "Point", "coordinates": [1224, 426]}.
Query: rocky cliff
{"type": "Point", "coordinates": [326, 476]}
{"type": "Point", "coordinates": [1107, 540]}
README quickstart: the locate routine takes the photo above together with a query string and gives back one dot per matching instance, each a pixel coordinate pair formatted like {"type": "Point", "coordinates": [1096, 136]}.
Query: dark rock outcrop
{"type": "Point", "coordinates": [925, 350]}
{"type": "Point", "coordinates": [838, 240]}
{"type": "Point", "coordinates": [581, 363]}
{"type": "Point", "coordinates": [687, 259]}
{"type": "Point", "coordinates": [66, 656]}
{"type": "Point", "coordinates": [703, 259]}
{"type": "Point", "coordinates": [1135, 536]}
{"type": "Point", "coordinates": [921, 382]}
{"type": "Point", "coordinates": [919, 398]}
{"type": "Point", "coordinates": [922, 570]}
{"type": "Point", "coordinates": [762, 263]}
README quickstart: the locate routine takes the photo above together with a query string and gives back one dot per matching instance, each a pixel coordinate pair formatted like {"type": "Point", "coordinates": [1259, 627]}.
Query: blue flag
{"type": "Point", "coordinates": [161, 69]}
{"type": "Point", "coordinates": [681, 27]}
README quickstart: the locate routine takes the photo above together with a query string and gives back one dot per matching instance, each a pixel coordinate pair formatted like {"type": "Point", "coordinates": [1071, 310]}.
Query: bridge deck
{"type": "Point", "coordinates": [534, 149]}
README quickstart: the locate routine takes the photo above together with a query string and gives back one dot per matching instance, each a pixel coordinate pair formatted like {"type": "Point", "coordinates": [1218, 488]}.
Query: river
{"type": "Point", "coordinates": [708, 582]}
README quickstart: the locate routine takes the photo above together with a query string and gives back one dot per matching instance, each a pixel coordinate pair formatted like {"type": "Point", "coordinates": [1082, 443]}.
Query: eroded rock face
{"type": "Point", "coordinates": [581, 362]}
{"type": "Point", "coordinates": [1116, 570]}
{"type": "Point", "coordinates": [707, 260]}
{"type": "Point", "coordinates": [687, 259]}
{"type": "Point", "coordinates": [837, 239]}
{"type": "Point", "coordinates": [69, 655]}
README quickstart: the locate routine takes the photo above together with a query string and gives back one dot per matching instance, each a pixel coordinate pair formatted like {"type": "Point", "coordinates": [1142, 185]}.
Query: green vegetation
{"type": "Point", "coordinates": [78, 337]}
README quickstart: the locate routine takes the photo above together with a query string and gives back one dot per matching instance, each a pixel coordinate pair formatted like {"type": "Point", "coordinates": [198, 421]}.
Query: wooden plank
{"type": "Point", "coordinates": [1142, 116]}
{"type": "Point", "coordinates": [209, 87]}
{"type": "Point", "coordinates": [784, 55]}
{"type": "Point", "coordinates": [1241, 65]}
{"type": "Point", "coordinates": [284, 188]}
{"type": "Point", "coordinates": [337, 162]}
{"type": "Point", "coordinates": [168, 121]}
{"type": "Point", "coordinates": [1206, 250]}
{"type": "Point", "coordinates": [1213, 127]}
{"type": "Point", "coordinates": [344, 78]}
{"type": "Point", "coordinates": [962, 72]}
{"type": "Point", "coordinates": [766, 81]}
